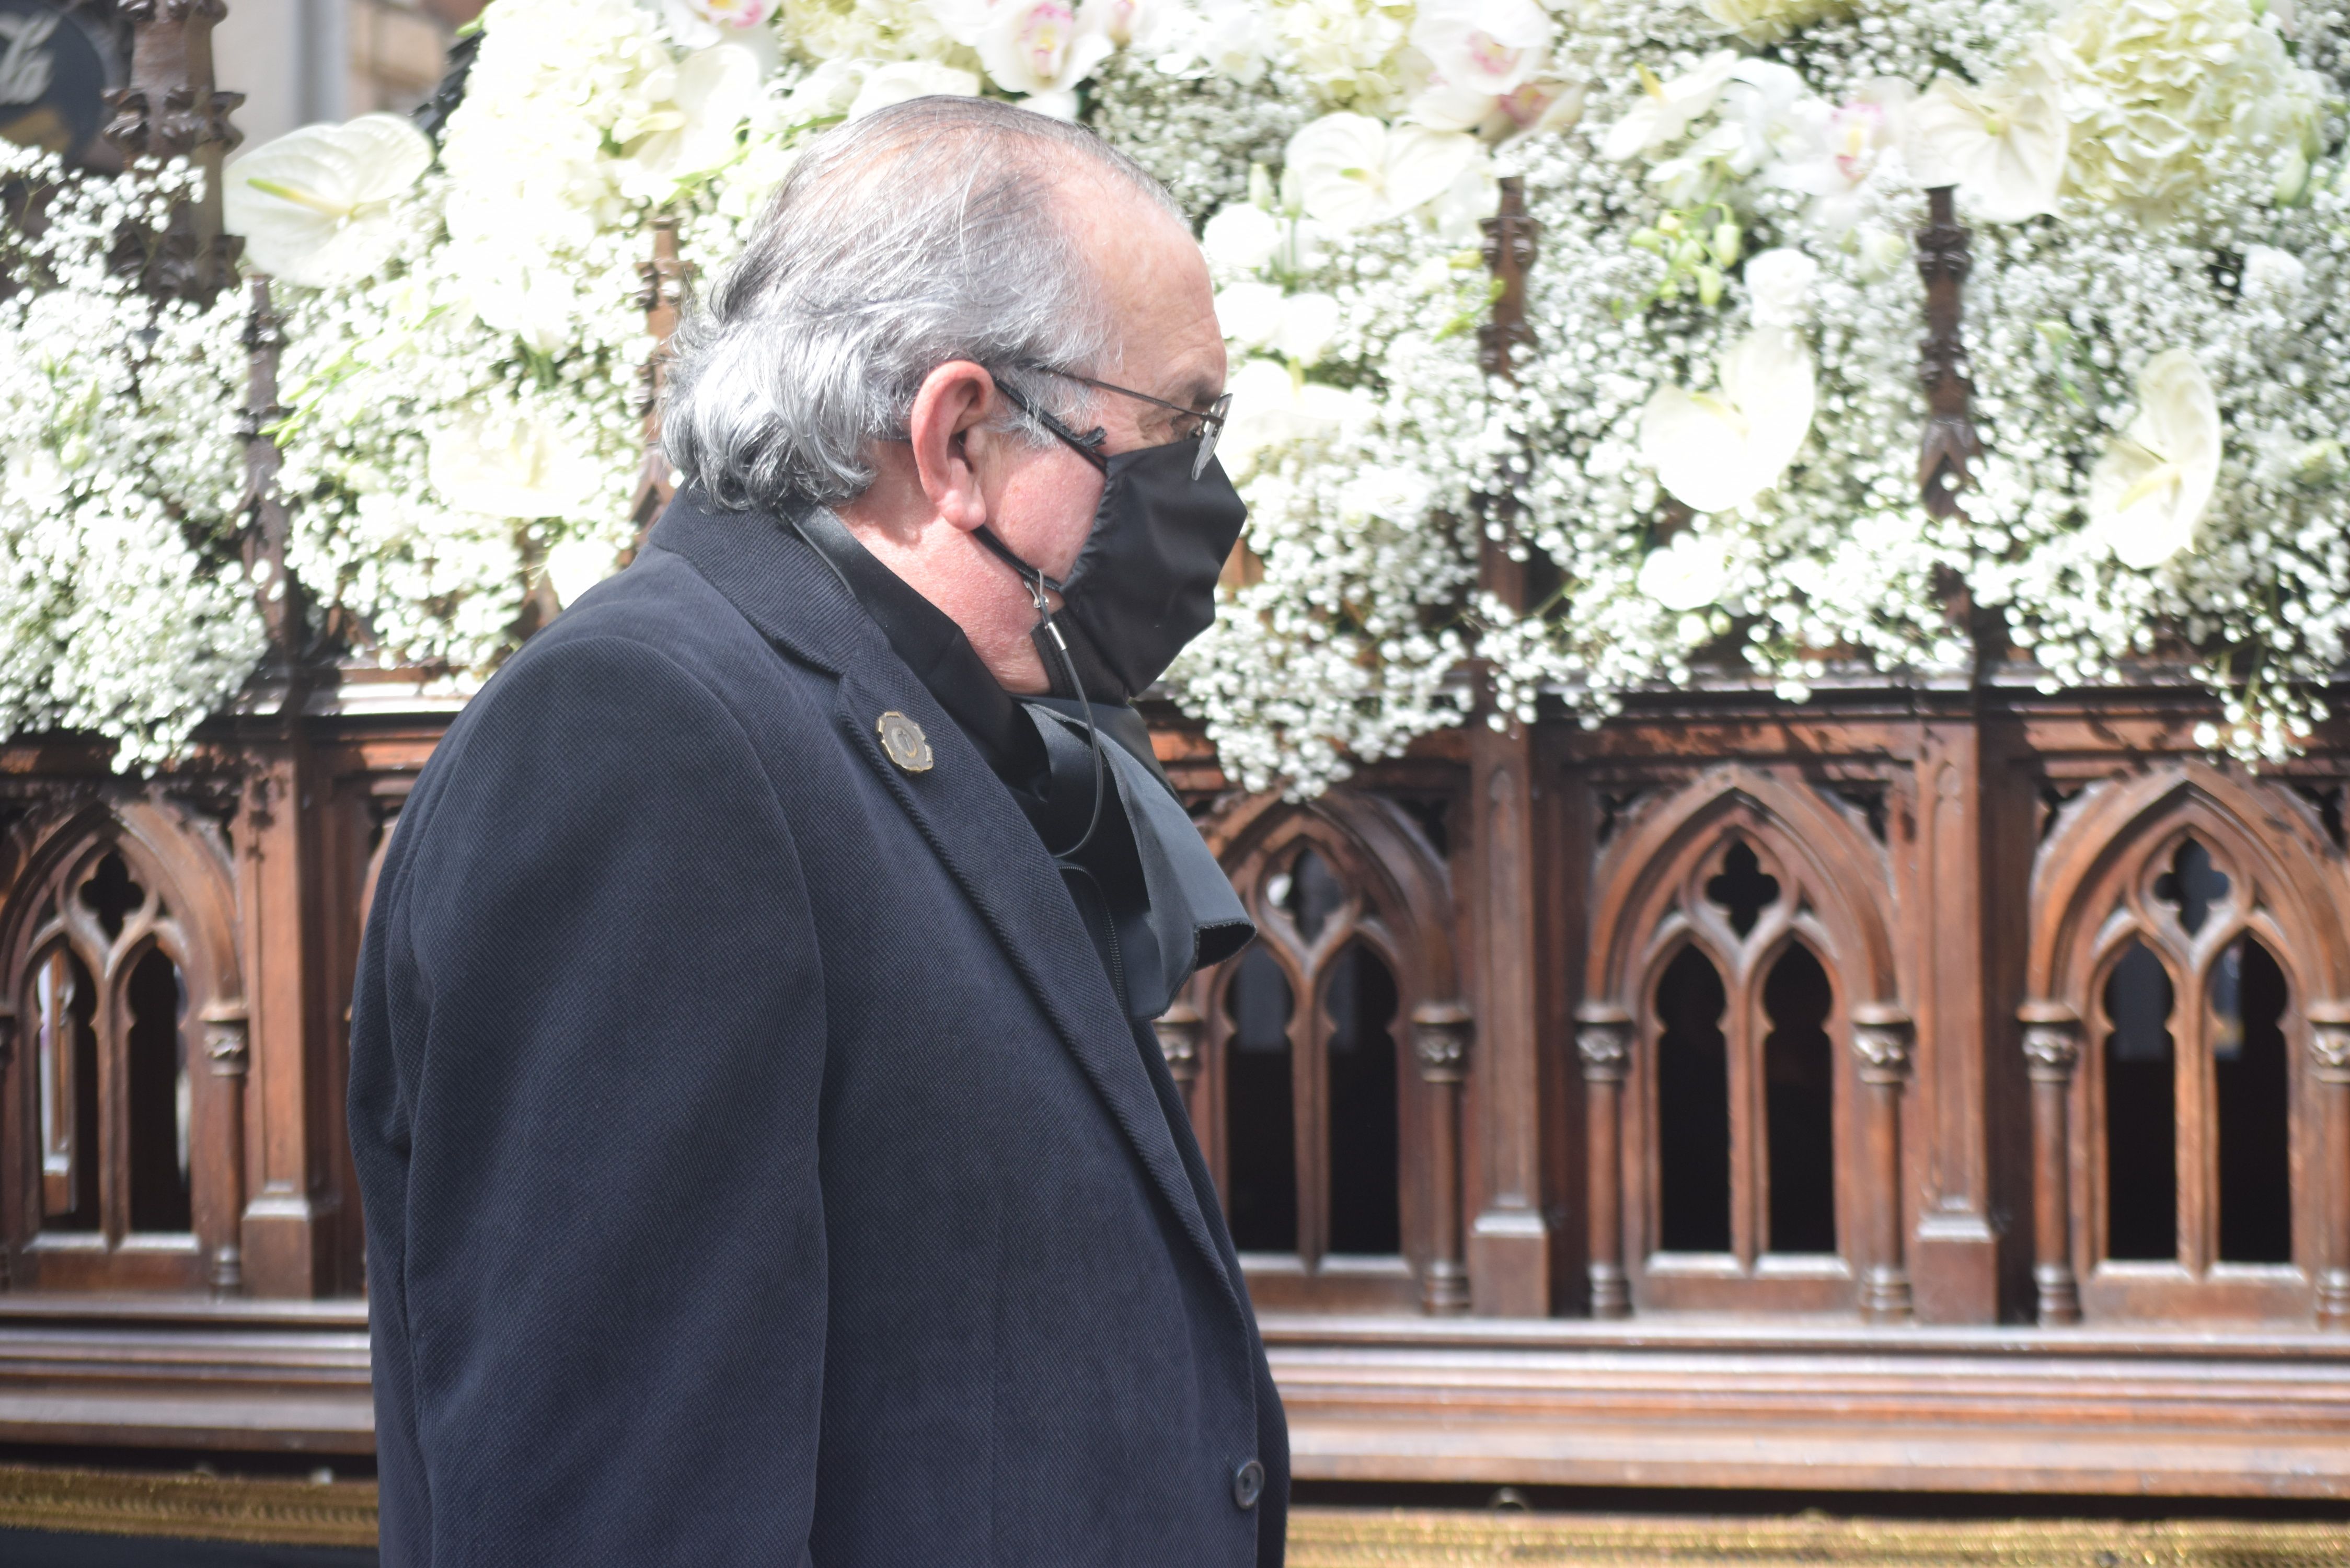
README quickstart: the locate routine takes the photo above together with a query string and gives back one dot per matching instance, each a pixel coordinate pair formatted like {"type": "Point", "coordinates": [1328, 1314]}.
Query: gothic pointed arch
{"type": "Point", "coordinates": [1744, 1040]}
{"type": "Point", "coordinates": [121, 968]}
{"type": "Point", "coordinates": [2187, 1016]}
{"type": "Point", "coordinates": [1341, 1031]}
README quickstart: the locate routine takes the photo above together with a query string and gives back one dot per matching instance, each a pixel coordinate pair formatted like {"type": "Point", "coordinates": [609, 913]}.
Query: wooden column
{"type": "Point", "coordinates": [661, 293]}
{"type": "Point", "coordinates": [1508, 1245]}
{"type": "Point", "coordinates": [1950, 441]}
{"type": "Point", "coordinates": [2329, 1060]}
{"type": "Point", "coordinates": [2052, 1049]}
{"type": "Point", "coordinates": [226, 1052]}
{"type": "Point", "coordinates": [171, 110]}
{"type": "Point", "coordinates": [1603, 1040]}
{"type": "Point", "coordinates": [10, 1124]}
{"type": "Point", "coordinates": [1881, 1035]}
{"type": "Point", "coordinates": [1179, 1029]}
{"type": "Point", "coordinates": [1439, 1041]}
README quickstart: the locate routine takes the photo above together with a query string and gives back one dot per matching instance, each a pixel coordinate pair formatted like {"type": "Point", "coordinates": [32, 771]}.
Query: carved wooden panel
{"type": "Point", "coordinates": [1743, 1044]}
{"type": "Point", "coordinates": [1323, 1067]}
{"type": "Point", "coordinates": [2188, 976]}
{"type": "Point", "coordinates": [119, 964]}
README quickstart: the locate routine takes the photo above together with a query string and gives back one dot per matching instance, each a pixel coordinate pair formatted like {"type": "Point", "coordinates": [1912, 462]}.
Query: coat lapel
{"type": "Point", "coordinates": [963, 812]}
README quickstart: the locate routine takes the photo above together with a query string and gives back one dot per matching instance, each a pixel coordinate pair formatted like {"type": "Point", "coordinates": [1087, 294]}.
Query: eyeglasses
{"type": "Point", "coordinates": [1209, 425]}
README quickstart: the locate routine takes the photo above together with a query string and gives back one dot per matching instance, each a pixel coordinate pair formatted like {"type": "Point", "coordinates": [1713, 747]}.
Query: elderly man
{"type": "Point", "coordinates": [767, 1154]}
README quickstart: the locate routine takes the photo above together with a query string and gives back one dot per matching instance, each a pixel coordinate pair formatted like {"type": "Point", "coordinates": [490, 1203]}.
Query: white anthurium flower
{"type": "Point", "coordinates": [903, 80]}
{"type": "Point", "coordinates": [1249, 312]}
{"type": "Point", "coordinates": [1779, 283]}
{"type": "Point", "coordinates": [1351, 171]}
{"type": "Point", "coordinates": [1717, 451]}
{"type": "Point", "coordinates": [1474, 196]}
{"type": "Point", "coordinates": [2003, 144]}
{"type": "Point", "coordinates": [1488, 46]}
{"type": "Point", "coordinates": [1666, 109]}
{"type": "Point", "coordinates": [697, 132]}
{"type": "Point", "coordinates": [315, 205]}
{"type": "Point", "coordinates": [1689, 573]}
{"type": "Point", "coordinates": [578, 565]}
{"type": "Point", "coordinates": [1043, 46]}
{"type": "Point", "coordinates": [1308, 322]}
{"type": "Point", "coordinates": [1242, 236]}
{"type": "Point", "coordinates": [507, 464]}
{"type": "Point", "coordinates": [2150, 490]}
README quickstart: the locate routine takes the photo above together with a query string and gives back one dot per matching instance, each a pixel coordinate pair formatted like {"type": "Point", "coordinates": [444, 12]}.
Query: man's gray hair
{"type": "Point", "coordinates": [930, 231]}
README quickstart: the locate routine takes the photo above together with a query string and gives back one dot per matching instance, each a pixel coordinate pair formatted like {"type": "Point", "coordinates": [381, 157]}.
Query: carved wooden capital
{"type": "Point", "coordinates": [225, 1046]}
{"type": "Point", "coordinates": [1603, 1039]}
{"type": "Point", "coordinates": [2329, 1041]}
{"type": "Point", "coordinates": [1440, 1040]}
{"type": "Point", "coordinates": [2052, 1041]}
{"type": "Point", "coordinates": [1882, 1036]}
{"type": "Point", "coordinates": [188, 118]}
{"type": "Point", "coordinates": [1179, 1030]}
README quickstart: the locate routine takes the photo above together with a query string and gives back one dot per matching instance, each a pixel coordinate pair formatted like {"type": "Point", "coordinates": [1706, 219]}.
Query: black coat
{"type": "Point", "coordinates": [758, 1168]}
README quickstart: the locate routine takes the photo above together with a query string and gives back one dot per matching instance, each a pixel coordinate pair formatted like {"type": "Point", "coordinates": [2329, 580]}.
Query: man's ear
{"type": "Point", "coordinates": [951, 440]}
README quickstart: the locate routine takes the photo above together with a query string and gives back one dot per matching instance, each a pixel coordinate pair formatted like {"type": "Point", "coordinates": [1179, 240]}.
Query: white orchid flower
{"type": "Point", "coordinates": [2150, 490]}
{"type": "Point", "coordinates": [698, 24]}
{"type": "Point", "coordinates": [1716, 451]}
{"type": "Point", "coordinates": [1779, 283]}
{"type": "Point", "coordinates": [1488, 46]}
{"type": "Point", "coordinates": [1043, 48]}
{"type": "Point", "coordinates": [1351, 171]}
{"type": "Point", "coordinates": [2003, 144]}
{"type": "Point", "coordinates": [1842, 147]}
{"type": "Point", "coordinates": [698, 129]}
{"type": "Point", "coordinates": [507, 464]}
{"type": "Point", "coordinates": [903, 80]}
{"type": "Point", "coordinates": [1687, 574]}
{"type": "Point", "coordinates": [315, 205]}
{"type": "Point", "coordinates": [1242, 236]}
{"type": "Point", "coordinates": [1666, 109]}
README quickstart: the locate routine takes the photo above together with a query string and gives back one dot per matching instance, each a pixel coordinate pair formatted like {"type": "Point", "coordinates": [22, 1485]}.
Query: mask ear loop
{"type": "Point", "coordinates": [1068, 665]}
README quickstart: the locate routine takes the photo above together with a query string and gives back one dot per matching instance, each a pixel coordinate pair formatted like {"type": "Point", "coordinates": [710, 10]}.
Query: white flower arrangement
{"type": "Point", "coordinates": [1712, 437]}
{"type": "Point", "coordinates": [123, 612]}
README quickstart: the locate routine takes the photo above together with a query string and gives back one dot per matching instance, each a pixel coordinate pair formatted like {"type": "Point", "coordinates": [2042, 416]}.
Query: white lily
{"type": "Point", "coordinates": [507, 464]}
{"type": "Point", "coordinates": [2003, 144]}
{"type": "Point", "coordinates": [716, 89]}
{"type": "Point", "coordinates": [903, 80]}
{"type": "Point", "coordinates": [1351, 171]}
{"type": "Point", "coordinates": [1687, 574]}
{"type": "Point", "coordinates": [1716, 451]}
{"type": "Point", "coordinates": [2152, 487]}
{"type": "Point", "coordinates": [315, 205]}
{"type": "Point", "coordinates": [1667, 107]}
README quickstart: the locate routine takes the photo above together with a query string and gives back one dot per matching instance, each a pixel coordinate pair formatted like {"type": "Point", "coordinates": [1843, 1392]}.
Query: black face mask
{"type": "Point", "coordinates": [1145, 584]}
